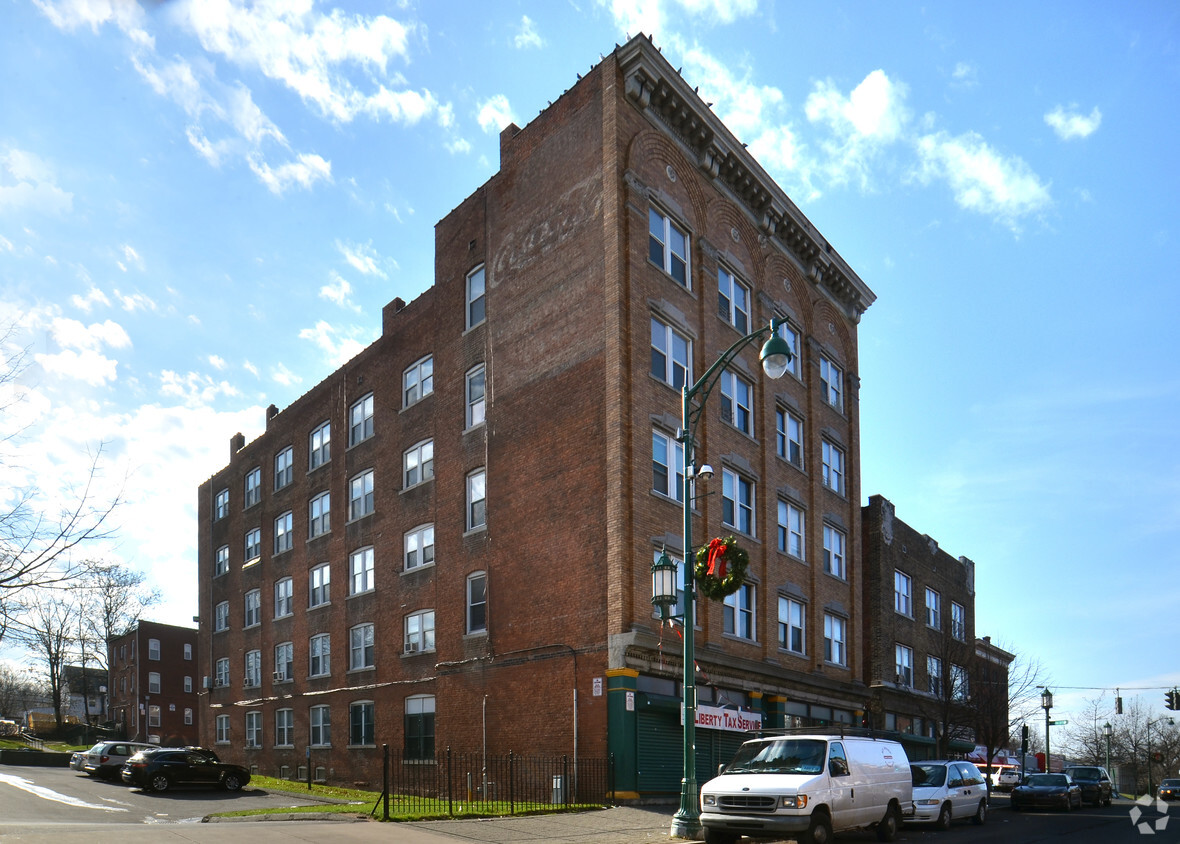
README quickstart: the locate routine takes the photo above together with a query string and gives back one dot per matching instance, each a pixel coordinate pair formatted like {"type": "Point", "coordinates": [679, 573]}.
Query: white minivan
{"type": "Point", "coordinates": [807, 787]}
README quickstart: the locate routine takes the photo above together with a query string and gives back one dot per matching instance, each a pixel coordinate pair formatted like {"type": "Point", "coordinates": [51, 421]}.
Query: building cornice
{"type": "Point", "coordinates": [653, 86]}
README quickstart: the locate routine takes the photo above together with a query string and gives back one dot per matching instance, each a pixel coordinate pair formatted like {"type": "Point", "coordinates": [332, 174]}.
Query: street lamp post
{"type": "Point", "coordinates": [1107, 731]}
{"type": "Point", "coordinates": [775, 357]}
{"type": "Point", "coordinates": [1150, 753]}
{"type": "Point", "coordinates": [1047, 704]}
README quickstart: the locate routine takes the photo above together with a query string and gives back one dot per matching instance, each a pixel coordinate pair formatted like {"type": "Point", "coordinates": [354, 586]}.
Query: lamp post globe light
{"type": "Point", "coordinates": [1047, 704]}
{"type": "Point", "coordinates": [775, 357]}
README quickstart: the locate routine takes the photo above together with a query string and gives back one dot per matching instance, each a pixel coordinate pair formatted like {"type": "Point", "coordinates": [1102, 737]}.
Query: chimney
{"type": "Point", "coordinates": [236, 443]}
{"type": "Point", "coordinates": [271, 413]}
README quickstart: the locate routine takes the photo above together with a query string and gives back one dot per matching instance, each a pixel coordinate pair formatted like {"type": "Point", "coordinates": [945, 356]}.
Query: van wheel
{"type": "Point", "coordinates": [712, 836]}
{"type": "Point", "coordinates": [980, 815]}
{"type": "Point", "coordinates": [944, 817]}
{"type": "Point", "coordinates": [887, 826]}
{"type": "Point", "coordinates": [820, 831]}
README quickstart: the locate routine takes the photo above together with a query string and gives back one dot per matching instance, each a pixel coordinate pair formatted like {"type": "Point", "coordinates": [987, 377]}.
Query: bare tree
{"type": "Point", "coordinates": [47, 628]}
{"type": "Point", "coordinates": [18, 691]}
{"type": "Point", "coordinates": [946, 708]}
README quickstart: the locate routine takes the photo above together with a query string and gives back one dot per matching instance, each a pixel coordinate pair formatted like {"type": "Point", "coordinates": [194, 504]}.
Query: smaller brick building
{"type": "Point", "coordinates": [153, 683]}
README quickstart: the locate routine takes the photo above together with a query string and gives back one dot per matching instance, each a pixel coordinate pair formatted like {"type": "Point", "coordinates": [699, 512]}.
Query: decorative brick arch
{"type": "Point", "coordinates": [650, 154]}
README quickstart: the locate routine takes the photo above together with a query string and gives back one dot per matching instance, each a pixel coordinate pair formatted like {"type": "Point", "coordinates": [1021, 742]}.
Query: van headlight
{"type": "Point", "coordinates": [928, 802]}
{"type": "Point", "coordinates": [708, 799]}
{"type": "Point", "coordinates": [794, 801]}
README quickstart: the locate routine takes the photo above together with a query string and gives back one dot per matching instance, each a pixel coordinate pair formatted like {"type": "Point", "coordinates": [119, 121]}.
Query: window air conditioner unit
{"type": "Point", "coordinates": [247, 681]}
{"type": "Point", "coordinates": [206, 682]}
{"type": "Point", "coordinates": [411, 648]}
{"type": "Point", "coordinates": [219, 683]}
{"type": "Point", "coordinates": [280, 676]}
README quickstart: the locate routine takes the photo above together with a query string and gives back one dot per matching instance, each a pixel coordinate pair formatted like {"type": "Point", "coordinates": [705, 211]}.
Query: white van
{"type": "Point", "coordinates": [807, 787]}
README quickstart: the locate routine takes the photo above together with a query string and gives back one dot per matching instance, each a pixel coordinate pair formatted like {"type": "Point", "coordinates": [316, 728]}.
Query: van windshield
{"type": "Point", "coordinates": [782, 756]}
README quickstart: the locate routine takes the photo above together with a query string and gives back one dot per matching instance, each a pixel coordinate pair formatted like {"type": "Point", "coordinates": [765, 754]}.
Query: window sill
{"type": "Point", "coordinates": [411, 487]}
{"type": "Point", "coordinates": [319, 535]}
{"type": "Point", "coordinates": [354, 519]}
{"type": "Point", "coordinates": [473, 531]}
{"type": "Point", "coordinates": [408, 654]}
{"type": "Point", "coordinates": [361, 670]}
{"type": "Point", "coordinates": [418, 568]}
{"type": "Point", "coordinates": [733, 637]}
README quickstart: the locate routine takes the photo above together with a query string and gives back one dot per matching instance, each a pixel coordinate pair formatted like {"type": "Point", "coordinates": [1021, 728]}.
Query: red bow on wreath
{"type": "Point", "coordinates": [717, 559]}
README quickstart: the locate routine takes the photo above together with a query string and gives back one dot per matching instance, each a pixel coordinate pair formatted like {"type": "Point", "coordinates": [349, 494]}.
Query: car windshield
{"type": "Point", "coordinates": [1048, 780]}
{"type": "Point", "coordinates": [928, 775]}
{"type": "Point", "coordinates": [1083, 773]}
{"type": "Point", "coordinates": [1170, 784]}
{"type": "Point", "coordinates": [782, 756]}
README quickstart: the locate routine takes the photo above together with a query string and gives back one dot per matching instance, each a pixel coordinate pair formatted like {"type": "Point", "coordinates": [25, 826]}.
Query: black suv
{"type": "Point", "coordinates": [1095, 783]}
{"type": "Point", "coordinates": [160, 769]}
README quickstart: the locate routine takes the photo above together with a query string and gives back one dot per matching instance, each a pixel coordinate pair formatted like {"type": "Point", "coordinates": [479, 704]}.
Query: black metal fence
{"type": "Point", "coordinates": [457, 783]}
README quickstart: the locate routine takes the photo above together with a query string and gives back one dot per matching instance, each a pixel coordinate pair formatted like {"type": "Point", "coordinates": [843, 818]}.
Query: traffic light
{"type": "Point", "coordinates": [1118, 706]}
{"type": "Point", "coordinates": [1024, 740]}
{"type": "Point", "coordinates": [1172, 700]}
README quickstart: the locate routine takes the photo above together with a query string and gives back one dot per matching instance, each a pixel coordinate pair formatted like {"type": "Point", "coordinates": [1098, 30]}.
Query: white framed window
{"type": "Point", "coordinates": [253, 729]}
{"type": "Point", "coordinates": [283, 528]}
{"type": "Point", "coordinates": [418, 731]}
{"type": "Point", "coordinates": [418, 381]}
{"type": "Point", "coordinates": [737, 402]}
{"type": "Point", "coordinates": [154, 682]}
{"type": "Point", "coordinates": [360, 647]}
{"type": "Point", "coordinates": [960, 689]}
{"type": "Point", "coordinates": [319, 583]}
{"type": "Point", "coordinates": [668, 247]}
{"type": "Point", "coordinates": [476, 391]}
{"type": "Point", "coordinates": [476, 297]}
{"type": "Point", "coordinates": [831, 382]}
{"type": "Point", "coordinates": [320, 446]}
{"type": "Point", "coordinates": [284, 662]}
{"type": "Point", "coordinates": [253, 669]}
{"type": "Point", "coordinates": [319, 654]}
{"type": "Point", "coordinates": [903, 658]}
{"type": "Point", "coordinates": [222, 729]}
{"type": "Point", "coordinates": [933, 609]}
{"type": "Point", "coordinates": [419, 547]}
{"type": "Point", "coordinates": [221, 561]}
{"type": "Point", "coordinates": [284, 728]}
{"type": "Point", "coordinates": [320, 718]}
{"type": "Point", "coordinates": [791, 524]}
{"type": "Point", "coordinates": [833, 466]}
{"type": "Point", "coordinates": [361, 724]}
{"type": "Point", "coordinates": [221, 672]}
{"type": "Point", "coordinates": [737, 502]}
{"type": "Point", "coordinates": [477, 602]}
{"type": "Point", "coordinates": [418, 464]}
{"type": "Point", "coordinates": [253, 608]}
{"type": "Point", "coordinates": [791, 336]}
{"type": "Point", "coordinates": [360, 420]}
{"type": "Point", "coordinates": [154, 649]}
{"type": "Point", "coordinates": [792, 631]}
{"type": "Point", "coordinates": [319, 515]}
{"type": "Point", "coordinates": [253, 487]}
{"type": "Point", "coordinates": [253, 545]}
{"type": "Point", "coordinates": [934, 675]}
{"type": "Point", "coordinates": [835, 646]}
{"type": "Point", "coordinates": [360, 495]}
{"type": "Point", "coordinates": [733, 300]}
{"type": "Point", "coordinates": [671, 354]}
{"type": "Point", "coordinates": [284, 467]}
{"type": "Point", "coordinates": [477, 499]}
{"type": "Point", "coordinates": [188, 651]}
{"type": "Point", "coordinates": [667, 465]}
{"type": "Point", "coordinates": [221, 616]}
{"type": "Point", "coordinates": [360, 571]}
{"type": "Point", "coordinates": [221, 504]}
{"type": "Point", "coordinates": [419, 632]}
{"type": "Point", "coordinates": [958, 621]}
{"type": "Point", "coordinates": [834, 552]}
{"type": "Point", "coordinates": [188, 716]}
{"type": "Point", "coordinates": [903, 587]}
{"type": "Point", "coordinates": [739, 613]}
{"type": "Point", "coordinates": [284, 592]}
{"type": "Point", "coordinates": [789, 437]}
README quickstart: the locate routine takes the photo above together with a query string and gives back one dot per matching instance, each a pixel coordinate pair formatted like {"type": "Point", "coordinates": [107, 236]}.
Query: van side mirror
{"type": "Point", "coordinates": [837, 767]}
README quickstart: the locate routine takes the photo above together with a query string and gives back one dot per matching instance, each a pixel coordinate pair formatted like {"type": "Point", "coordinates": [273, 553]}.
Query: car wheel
{"type": "Point", "coordinates": [232, 782]}
{"type": "Point", "coordinates": [1068, 803]}
{"type": "Point", "coordinates": [887, 826]}
{"type": "Point", "coordinates": [160, 782]}
{"type": "Point", "coordinates": [1106, 800]}
{"type": "Point", "coordinates": [944, 817]}
{"type": "Point", "coordinates": [820, 830]}
{"type": "Point", "coordinates": [980, 816]}
{"type": "Point", "coordinates": [1015, 806]}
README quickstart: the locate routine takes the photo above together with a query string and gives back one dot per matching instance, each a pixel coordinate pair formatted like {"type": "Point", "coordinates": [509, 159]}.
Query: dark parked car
{"type": "Point", "coordinates": [1053, 791]}
{"type": "Point", "coordinates": [162, 768]}
{"type": "Point", "coordinates": [1094, 782]}
{"type": "Point", "coordinates": [1169, 790]}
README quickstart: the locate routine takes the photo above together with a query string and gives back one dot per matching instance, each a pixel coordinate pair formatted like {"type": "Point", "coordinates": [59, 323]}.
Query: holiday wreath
{"type": "Point", "coordinates": [720, 568]}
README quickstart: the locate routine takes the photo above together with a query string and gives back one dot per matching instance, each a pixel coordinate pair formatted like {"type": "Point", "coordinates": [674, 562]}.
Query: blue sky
{"type": "Point", "coordinates": [204, 205]}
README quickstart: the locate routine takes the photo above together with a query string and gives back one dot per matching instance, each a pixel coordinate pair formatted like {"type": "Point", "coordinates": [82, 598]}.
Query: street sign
{"type": "Point", "coordinates": [1058, 723]}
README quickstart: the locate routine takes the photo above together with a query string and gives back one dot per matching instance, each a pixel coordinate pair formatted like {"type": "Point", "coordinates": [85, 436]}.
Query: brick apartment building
{"type": "Point", "coordinates": [154, 675]}
{"type": "Point", "coordinates": [929, 678]}
{"type": "Point", "coordinates": [448, 542]}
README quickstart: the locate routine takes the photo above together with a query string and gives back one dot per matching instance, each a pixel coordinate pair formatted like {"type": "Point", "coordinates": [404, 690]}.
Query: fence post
{"type": "Point", "coordinates": [511, 785]}
{"type": "Point", "coordinates": [385, 776]}
{"type": "Point", "coordinates": [565, 778]}
{"type": "Point", "coordinates": [610, 778]}
{"type": "Point", "coordinates": [450, 806]}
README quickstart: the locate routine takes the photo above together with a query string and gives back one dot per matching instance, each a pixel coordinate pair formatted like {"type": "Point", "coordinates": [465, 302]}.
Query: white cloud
{"type": "Point", "coordinates": [304, 172]}
{"type": "Point", "coordinates": [93, 297]}
{"type": "Point", "coordinates": [89, 366]}
{"type": "Point", "coordinates": [981, 179]}
{"type": "Point", "coordinates": [193, 388]}
{"type": "Point", "coordinates": [362, 257]}
{"type": "Point", "coordinates": [649, 16]}
{"type": "Point", "coordinates": [1071, 124]}
{"type": "Point", "coordinates": [495, 113]}
{"type": "Point", "coordinates": [217, 362]}
{"type": "Point", "coordinates": [132, 302]}
{"type": "Point", "coordinates": [130, 256]}
{"type": "Point", "coordinates": [282, 375]}
{"type": "Point", "coordinates": [528, 35]}
{"type": "Point", "coordinates": [72, 334]}
{"type": "Point", "coordinates": [72, 14]}
{"type": "Point", "coordinates": [336, 290]}
{"type": "Point", "coordinates": [251, 368]}
{"type": "Point", "coordinates": [27, 183]}
{"type": "Point", "coordinates": [326, 338]}
{"type": "Point", "coordinates": [871, 117]}
{"type": "Point", "coordinates": [965, 75]}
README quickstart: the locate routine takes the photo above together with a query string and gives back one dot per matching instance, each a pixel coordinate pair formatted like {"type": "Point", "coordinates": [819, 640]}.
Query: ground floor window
{"type": "Point", "coordinates": [419, 727]}
{"type": "Point", "coordinates": [360, 723]}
